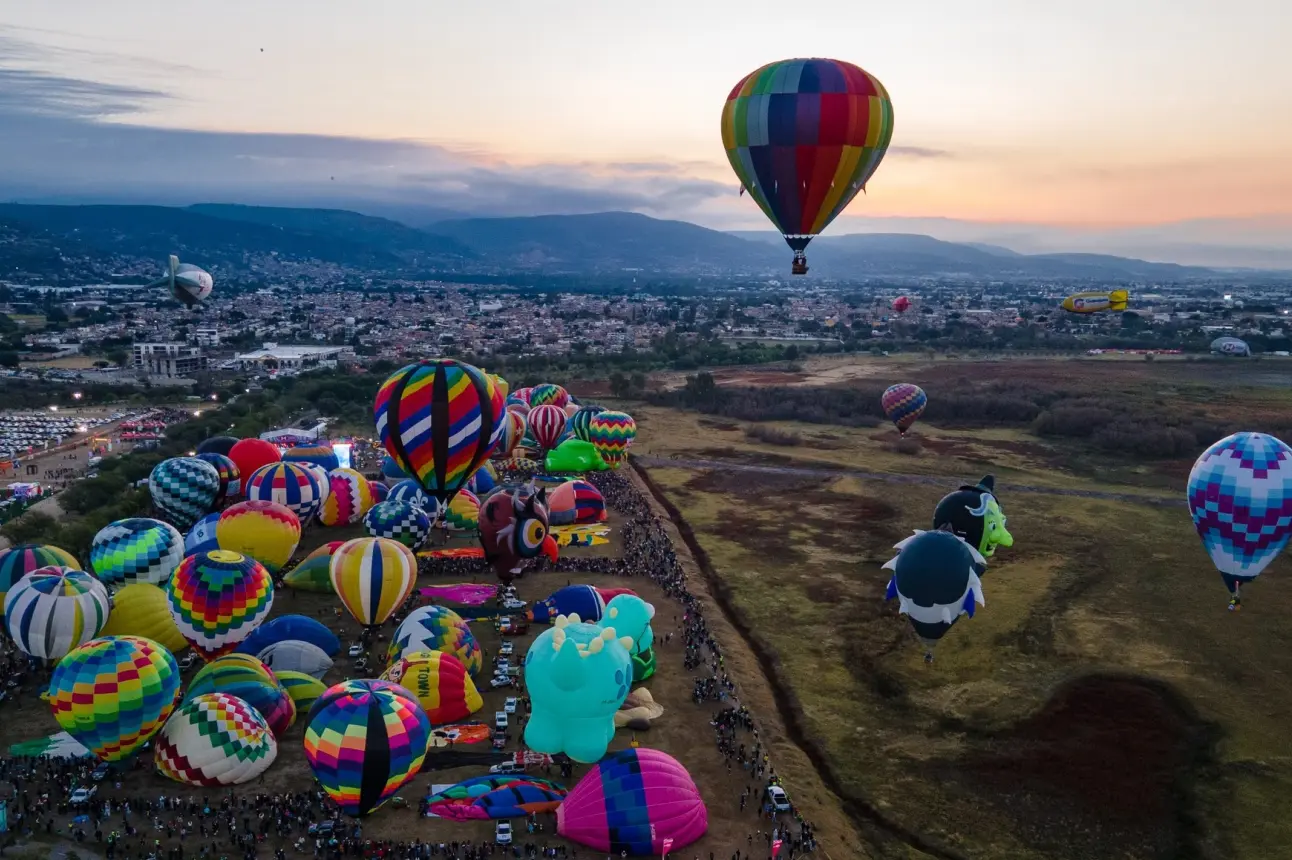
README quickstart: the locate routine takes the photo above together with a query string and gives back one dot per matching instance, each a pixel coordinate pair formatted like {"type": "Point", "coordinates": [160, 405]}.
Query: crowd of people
{"type": "Point", "coordinates": [225, 824]}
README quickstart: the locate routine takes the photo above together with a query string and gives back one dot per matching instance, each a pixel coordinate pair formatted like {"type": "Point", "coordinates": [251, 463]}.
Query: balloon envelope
{"type": "Point", "coordinates": [265, 531]}
{"type": "Point", "coordinates": [903, 403]}
{"type": "Point", "coordinates": [184, 489]}
{"type": "Point", "coordinates": [286, 627]}
{"type": "Point", "coordinates": [217, 445]}
{"type": "Point", "coordinates": [18, 561]}
{"type": "Point", "coordinates": [440, 682]}
{"type": "Point", "coordinates": [291, 485]}
{"type": "Point", "coordinates": [136, 550]}
{"type": "Point", "coordinates": [218, 598]}
{"type": "Point", "coordinates": [250, 454]}
{"type": "Point", "coordinates": [295, 655]}
{"type": "Point", "coordinates": [249, 679]}
{"type": "Point", "coordinates": [437, 628]}
{"type": "Point", "coordinates": [215, 739]}
{"type": "Point", "coordinates": [373, 577]}
{"type": "Point", "coordinates": [54, 610]}
{"type": "Point", "coordinates": [143, 610]}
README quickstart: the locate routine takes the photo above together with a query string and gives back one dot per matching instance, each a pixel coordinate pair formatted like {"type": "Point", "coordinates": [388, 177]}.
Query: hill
{"type": "Point", "coordinates": [605, 241]}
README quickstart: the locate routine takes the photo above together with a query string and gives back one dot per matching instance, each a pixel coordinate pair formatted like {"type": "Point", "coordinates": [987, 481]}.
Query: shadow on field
{"type": "Point", "coordinates": [1106, 768]}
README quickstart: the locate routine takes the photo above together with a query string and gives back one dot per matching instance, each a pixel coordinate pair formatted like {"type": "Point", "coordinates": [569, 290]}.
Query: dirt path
{"type": "Point", "coordinates": [931, 480]}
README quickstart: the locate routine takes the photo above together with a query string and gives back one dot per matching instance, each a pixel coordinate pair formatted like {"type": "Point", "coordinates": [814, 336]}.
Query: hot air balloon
{"type": "Point", "coordinates": [440, 420]}
{"type": "Point", "coordinates": [512, 430]}
{"type": "Point", "coordinates": [202, 537]}
{"type": "Point", "coordinates": [55, 609]}
{"type": "Point", "coordinates": [215, 739]}
{"type": "Point", "coordinates": [484, 481]}
{"type": "Point", "coordinates": [296, 655]}
{"type": "Point", "coordinates": [901, 304]}
{"type": "Point", "coordinates": [321, 478]}
{"type": "Point", "coordinates": [18, 561]}
{"type": "Point", "coordinates": [541, 395]}
{"type": "Point", "coordinates": [903, 404]}
{"type": "Point", "coordinates": [642, 802]}
{"type": "Point", "coordinates": [503, 386]}
{"type": "Point", "coordinates": [348, 499]}
{"type": "Point", "coordinates": [230, 477]}
{"type": "Point", "coordinates": [184, 489]}
{"type": "Point", "coordinates": [804, 136]}
{"type": "Point", "coordinates": [1230, 346]}
{"type": "Point", "coordinates": [291, 485]}
{"type": "Point", "coordinates": [398, 521]}
{"type": "Point", "coordinates": [496, 797]}
{"type": "Point", "coordinates": [380, 492]}
{"type": "Point", "coordinates": [218, 598]}
{"type": "Point", "coordinates": [576, 502]}
{"type": "Point", "coordinates": [1240, 496]}
{"type": "Point", "coordinates": [462, 513]}
{"type": "Point", "coordinates": [440, 682]}
{"type": "Point", "coordinates": [136, 550]}
{"type": "Point", "coordinates": [936, 580]}
{"type": "Point", "coordinates": [314, 571]}
{"type": "Point", "coordinates": [579, 424]}
{"type": "Point", "coordinates": [186, 283]}
{"type": "Point", "coordinates": [411, 492]}
{"type": "Point", "coordinates": [250, 454]}
{"type": "Point", "coordinates": [612, 433]}
{"type": "Point", "coordinates": [303, 689]}
{"type": "Point", "coordinates": [436, 628]}
{"type": "Point", "coordinates": [392, 470]}
{"type": "Point", "coordinates": [319, 455]}
{"type": "Point", "coordinates": [217, 445]}
{"type": "Point", "coordinates": [546, 424]}
{"type": "Point", "coordinates": [364, 741]}
{"type": "Point", "coordinates": [113, 693]}
{"type": "Point", "coordinates": [265, 531]}
{"type": "Point", "coordinates": [373, 576]}
{"type": "Point", "coordinates": [286, 627]}
{"type": "Point", "coordinates": [143, 610]}
{"type": "Point", "coordinates": [974, 514]}
{"type": "Point", "coordinates": [249, 679]}
{"type": "Point", "coordinates": [513, 530]}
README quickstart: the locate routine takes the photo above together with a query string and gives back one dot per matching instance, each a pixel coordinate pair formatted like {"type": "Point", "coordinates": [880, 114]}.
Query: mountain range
{"type": "Point", "coordinates": [231, 238]}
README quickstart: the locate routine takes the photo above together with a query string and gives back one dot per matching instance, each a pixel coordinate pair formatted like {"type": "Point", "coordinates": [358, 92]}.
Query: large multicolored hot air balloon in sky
{"type": "Point", "coordinates": [54, 610]}
{"type": "Point", "coordinates": [612, 433]}
{"type": "Point", "coordinates": [364, 741]}
{"type": "Point", "coordinates": [641, 802]}
{"type": "Point", "coordinates": [804, 136]}
{"type": "Point", "coordinates": [373, 576]}
{"type": "Point", "coordinates": [215, 739]}
{"type": "Point", "coordinates": [112, 694]}
{"type": "Point", "coordinates": [1240, 496]}
{"type": "Point", "coordinates": [217, 599]}
{"type": "Point", "coordinates": [439, 420]}
{"type": "Point", "coordinates": [903, 403]}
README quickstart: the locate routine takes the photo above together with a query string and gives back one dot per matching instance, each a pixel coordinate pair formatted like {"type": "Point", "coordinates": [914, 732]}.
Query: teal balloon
{"type": "Point", "coordinates": [575, 455]}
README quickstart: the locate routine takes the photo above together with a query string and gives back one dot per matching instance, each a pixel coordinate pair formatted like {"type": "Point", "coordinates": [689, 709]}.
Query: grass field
{"type": "Point", "coordinates": [1103, 704]}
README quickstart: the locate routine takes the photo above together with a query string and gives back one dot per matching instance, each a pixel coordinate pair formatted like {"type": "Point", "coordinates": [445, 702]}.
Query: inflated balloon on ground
{"type": "Point", "coordinates": [184, 489]}
{"type": "Point", "coordinates": [144, 610]}
{"type": "Point", "coordinates": [398, 521]}
{"type": "Point", "coordinates": [218, 598]}
{"type": "Point", "coordinates": [348, 499]}
{"type": "Point", "coordinates": [249, 679]}
{"type": "Point", "coordinates": [265, 531]}
{"type": "Point", "coordinates": [137, 550]}
{"type": "Point", "coordinates": [373, 577]}
{"type": "Point", "coordinates": [18, 561]}
{"type": "Point", "coordinates": [230, 477]}
{"type": "Point", "coordinates": [215, 739]}
{"type": "Point", "coordinates": [250, 454]}
{"type": "Point", "coordinates": [291, 485]}
{"type": "Point", "coordinates": [440, 682]}
{"type": "Point", "coordinates": [55, 609]}
{"type": "Point", "coordinates": [437, 628]}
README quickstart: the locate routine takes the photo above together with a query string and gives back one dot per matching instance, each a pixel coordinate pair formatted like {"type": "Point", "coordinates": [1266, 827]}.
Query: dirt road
{"type": "Point", "coordinates": [932, 480]}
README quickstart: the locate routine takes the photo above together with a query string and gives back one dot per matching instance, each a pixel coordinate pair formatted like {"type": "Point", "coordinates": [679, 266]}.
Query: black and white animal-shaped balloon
{"type": "Point", "coordinates": [935, 580]}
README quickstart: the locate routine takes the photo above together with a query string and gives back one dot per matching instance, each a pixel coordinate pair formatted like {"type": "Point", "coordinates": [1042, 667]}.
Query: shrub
{"type": "Point", "coordinates": [773, 436]}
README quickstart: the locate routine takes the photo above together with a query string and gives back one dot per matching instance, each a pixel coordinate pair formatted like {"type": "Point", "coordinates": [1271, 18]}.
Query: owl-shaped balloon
{"type": "Point", "coordinates": [514, 529]}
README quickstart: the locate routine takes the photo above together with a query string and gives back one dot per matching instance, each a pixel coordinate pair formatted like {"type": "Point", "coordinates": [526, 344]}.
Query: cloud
{"type": "Point", "coordinates": [918, 152]}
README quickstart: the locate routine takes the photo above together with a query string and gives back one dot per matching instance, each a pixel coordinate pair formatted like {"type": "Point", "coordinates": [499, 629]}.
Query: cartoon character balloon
{"type": "Point", "coordinates": [903, 404]}
{"type": "Point", "coordinates": [804, 136]}
{"type": "Point", "coordinates": [514, 530]}
{"type": "Point", "coordinates": [577, 675]}
{"type": "Point", "coordinates": [136, 550]}
{"type": "Point", "coordinates": [215, 739]}
{"type": "Point", "coordinates": [218, 598]}
{"type": "Point", "coordinates": [54, 610]}
{"type": "Point", "coordinates": [1240, 496]}
{"type": "Point", "coordinates": [439, 420]}
{"type": "Point", "coordinates": [641, 802]}
{"type": "Point", "coordinates": [184, 489]}
{"type": "Point", "coordinates": [134, 684]}
{"type": "Point", "coordinates": [935, 579]}
{"type": "Point", "coordinates": [364, 741]}
{"type": "Point", "coordinates": [373, 577]}
{"type": "Point", "coordinates": [974, 514]}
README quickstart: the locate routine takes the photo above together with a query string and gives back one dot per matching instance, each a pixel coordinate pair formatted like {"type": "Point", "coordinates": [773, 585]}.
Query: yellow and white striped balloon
{"type": "Point", "coordinates": [373, 576]}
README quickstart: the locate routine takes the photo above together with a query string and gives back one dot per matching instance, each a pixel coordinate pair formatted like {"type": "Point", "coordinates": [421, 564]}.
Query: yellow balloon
{"type": "Point", "coordinates": [373, 576]}
{"type": "Point", "coordinates": [143, 610]}
{"type": "Point", "coordinates": [265, 531]}
{"type": "Point", "coordinates": [440, 682]}
{"type": "Point", "coordinates": [503, 385]}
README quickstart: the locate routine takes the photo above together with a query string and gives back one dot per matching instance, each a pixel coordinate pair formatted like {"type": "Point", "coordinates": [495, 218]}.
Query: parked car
{"type": "Point", "coordinates": [324, 828]}
{"type": "Point", "coordinates": [507, 767]}
{"type": "Point", "coordinates": [510, 705]}
{"type": "Point", "coordinates": [502, 833]}
{"type": "Point", "coordinates": [83, 795]}
{"type": "Point", "coordinates": [507, 648]}
{"type": "Point", "coordinates": [513, 604]}
{"type": "Point", "coordinates": [355, 650]}
{"type": "Point", "coordinates": [777, 798]}
{"type": "Point", "coordinates": [500, 681]}
{"type": "Point", "coordinates": [499, 740]}
{"type": "Point", "coordinates": [100, 773]}
{"type": "Point", "coordinates": [500, 720]}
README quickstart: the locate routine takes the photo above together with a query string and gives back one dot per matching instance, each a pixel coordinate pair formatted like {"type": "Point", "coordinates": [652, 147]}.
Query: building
{"type": "Point", "coordinates": [207, 336]}
{"type": "Point", "coordinates": [168, 360]}
{"type": "Point", "coordinates": [290, 358]}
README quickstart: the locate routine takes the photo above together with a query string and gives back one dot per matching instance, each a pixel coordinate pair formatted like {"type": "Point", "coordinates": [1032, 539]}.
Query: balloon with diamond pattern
{"type": "Point", "coordinates": [903, 403]}
{"type": "Point", "coordinates": [217, 599]}
{"type": "Point", "coordinates": [215, 739]}
{"type": "Point", "coordinates": [136, 550]}
{"type": "Point", "coordinates": [611, 433]}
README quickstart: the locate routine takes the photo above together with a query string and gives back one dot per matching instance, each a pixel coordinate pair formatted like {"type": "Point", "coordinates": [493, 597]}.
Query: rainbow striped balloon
{"type": "Point", "coordinates": [112, 694]}
{"type": "Point", "coordinates": [542, 395]}
{"type": "Point", "coordinates": [217, 598]}
{"type": "Point", "coordinates": [580, 423]}
{"type": "Point", "coordinates": [903, 403]}
{"type": "Point", "coordinates": [611, 433]}
{"type": "Point", "coordinates": [364, 741]}
{"type": "Point", "coordinates": [439, 420]}
{"type": "Point", "coordinates": [292, 485]}
{"type": "Point", "coordinates": [349, 499]}
{"type": "Point", "coordinates": [463, 513]}
{"type": "Point", "coordinates": [373, 576]}
{"type": "Point", "coordinates": [513, 429]}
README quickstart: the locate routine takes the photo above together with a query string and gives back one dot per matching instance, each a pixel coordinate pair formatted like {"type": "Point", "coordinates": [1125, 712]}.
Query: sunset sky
{"type": "Point", "coordinates": [1103, 113]}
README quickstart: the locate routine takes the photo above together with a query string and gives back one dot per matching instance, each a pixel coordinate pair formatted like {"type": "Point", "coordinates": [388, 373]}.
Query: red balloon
{"type": "Point", "coordinates": [901, 303]}
{"type": "Point", "coordinates": [250, 454]}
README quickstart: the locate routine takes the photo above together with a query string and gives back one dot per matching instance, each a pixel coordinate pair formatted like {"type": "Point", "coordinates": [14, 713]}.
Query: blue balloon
{"type": "Point", "coordinates": [201, 538]}
{"type": "Point", "coordinates": [286, 627]}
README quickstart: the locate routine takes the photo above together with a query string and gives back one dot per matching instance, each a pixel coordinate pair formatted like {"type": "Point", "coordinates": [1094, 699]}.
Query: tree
{"type": "Point", "coordinates": [792, 352]}
{"type": "Point", "coordinates": [8, 359]}
{"type": "Point", "coordinates": [31, 527]}
{"type": "Point", "coordinates": [118, 357]}
{"type": "Point", "coordinates": [618, 385]}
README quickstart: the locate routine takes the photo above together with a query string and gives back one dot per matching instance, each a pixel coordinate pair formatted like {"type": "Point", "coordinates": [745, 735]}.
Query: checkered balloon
{"type": "Point", "coordinates": [215, 739]}
{"type": "Point", "coordinates": [136, 550]}
{"type": "Point", "coordinates": [399, 521]}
